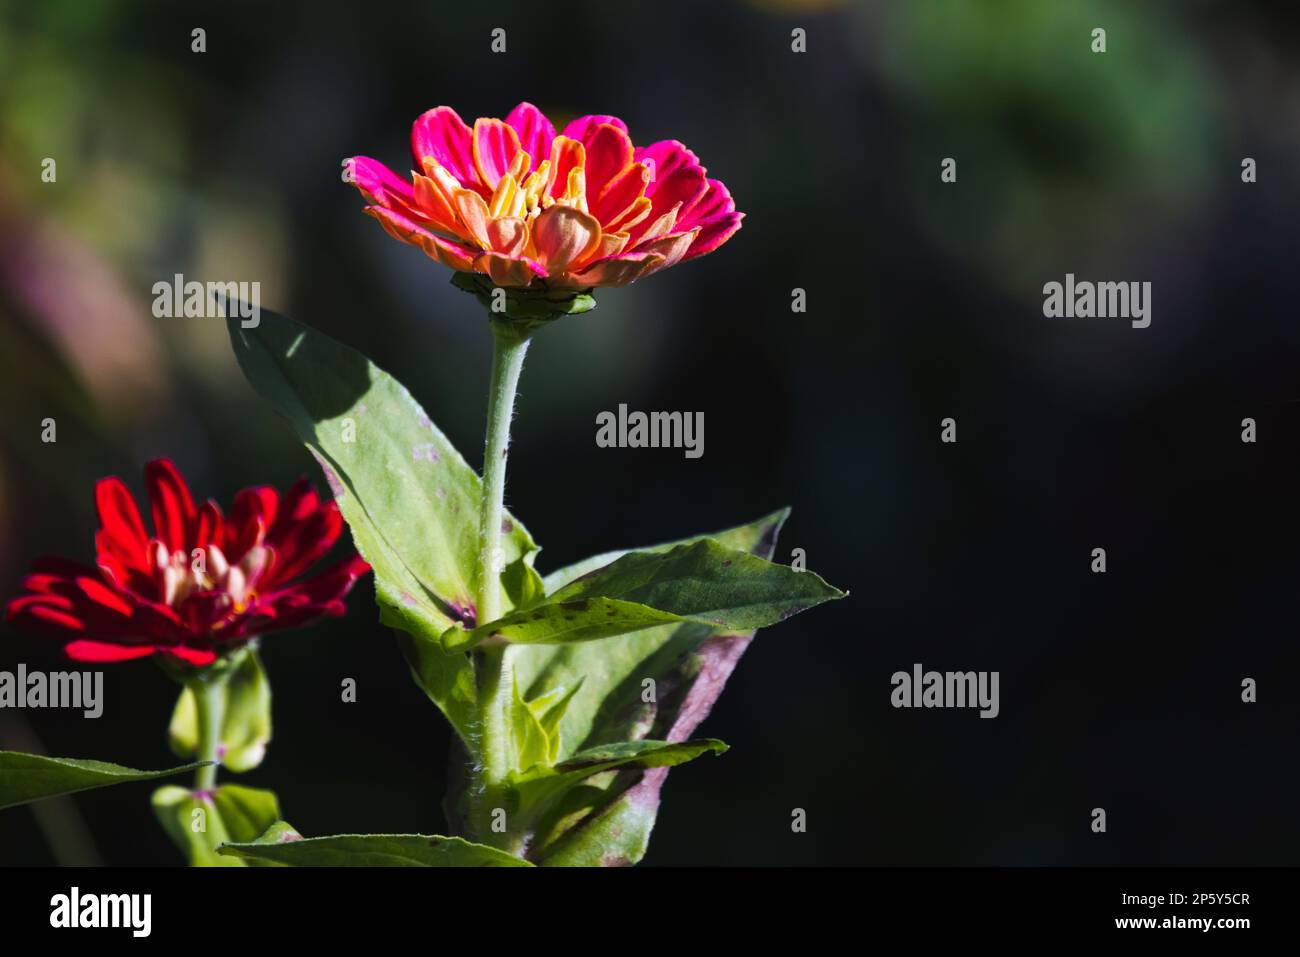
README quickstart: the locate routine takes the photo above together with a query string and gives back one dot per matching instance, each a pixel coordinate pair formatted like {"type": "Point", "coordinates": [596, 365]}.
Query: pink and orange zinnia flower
{"type": "Point", "coordinates": [203, 584]}
{"type": "Point", "coordinates": [529, 208]}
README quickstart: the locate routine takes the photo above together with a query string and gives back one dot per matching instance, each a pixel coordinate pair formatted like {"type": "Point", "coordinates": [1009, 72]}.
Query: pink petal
{"type": "Point", "coordinates": [713, 233]}
{"type": "Point", "coordinates": [379, 184]}
{"type": "Point", "coordinates": [685, 185]}
{"type": "Point", "coordinates": [579, 128]}
{"type": "Point", "coordinates": [535, 131]}
{"type": "Point", "coordinates": [715, 201]}
{"type": "Point", "coordinates": [442, 134]}
{"type": "Point", "coordinates": [668, 157]}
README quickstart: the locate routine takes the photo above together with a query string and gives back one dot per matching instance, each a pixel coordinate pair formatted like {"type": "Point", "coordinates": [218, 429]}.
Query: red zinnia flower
{"type": "Point", "coordinates": [203, 585]}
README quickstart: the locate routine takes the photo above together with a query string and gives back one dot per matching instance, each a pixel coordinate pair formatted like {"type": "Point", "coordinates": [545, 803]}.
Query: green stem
{"type": "Point", "coordinates": [493, 662]}
{"type": "Point", "coordinates": [209, 705]}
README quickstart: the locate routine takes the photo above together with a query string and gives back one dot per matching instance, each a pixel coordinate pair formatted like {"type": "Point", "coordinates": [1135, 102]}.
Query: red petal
{"type": "Point", "coordinates": [207, 528]}
{"type": "Point", "coordinates": [173, 508]}
{"type": "Point", "coordinates": [99, 651]}
{"type": "Point", "coordinates": [191, 656]}
{"type": "Point", "coordinates": [251, 515]}
{"type": "Point", "coordinates": [122, 533]}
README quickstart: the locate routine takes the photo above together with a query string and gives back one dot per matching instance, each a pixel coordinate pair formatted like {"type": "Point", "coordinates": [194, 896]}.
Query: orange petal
{"type": "Point", "coordinates": [507, 235]}
{"type": "Point", "coordinates": [435, 247]}
{"type": "Point", "coordinates": [618, 271]}
{"type": "Point", "coordinates": [495, 147]}
{"type": "Point", "coordinates": [611, 244]}
{"type": "Point", "coordinates": [433, 203]}
{"type": "Point", "coordinates": [508, 270]}
{"type": "Point", "coordinates": [618, 197]}
{"type": "Point", "coordinates": [473, 215]}
{"type": "Point", "coordinates": [504, 197]}
{"type": "Point", "coordinates": [564, 236]}
{"type": "Point", "coordinates": [634, 214]}
{"type": "Point", "coordinates": [660, 227]}
{"type": "Point", "coordinates": [565, 155]}
{"type": "Point", "coordinates": [672, 248]}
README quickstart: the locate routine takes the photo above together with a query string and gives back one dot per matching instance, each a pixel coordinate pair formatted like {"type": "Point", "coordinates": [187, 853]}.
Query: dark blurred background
{"type": "Point", "coordinates": [1119, 691]}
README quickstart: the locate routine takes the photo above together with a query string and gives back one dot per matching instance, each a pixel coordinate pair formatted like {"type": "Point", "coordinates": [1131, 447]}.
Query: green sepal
{"type": "Point", "coordinates": [521, 312]}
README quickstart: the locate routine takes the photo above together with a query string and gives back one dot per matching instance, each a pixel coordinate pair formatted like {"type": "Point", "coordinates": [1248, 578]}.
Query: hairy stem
{"type": "Point", "coordinates": [209, 705]}
{"type": "Point", "coordinates": [493, 662]}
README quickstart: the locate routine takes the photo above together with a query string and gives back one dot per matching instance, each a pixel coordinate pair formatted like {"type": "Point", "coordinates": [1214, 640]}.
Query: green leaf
{"type": "Point", "coordinates": [681, 668]}
{"type": "Point", "coordinates": [376, 850]}
{"type": "Point", "coordinates": [531, 745]}
{"type": "Point", "coordinates": [549, 709]}
{"type": "Point", "coordinates": [199, 823]}
{"type": "Point", "coordinates": [542, 785]}
{"type": "Point", "coordinates": [30, 777]}
{"type": "Point", "coordinates": [703, 582]}
{"type": "Point", "coordinates": [409, 497]}
{"type": "Point", "coordinates": [246, 725]}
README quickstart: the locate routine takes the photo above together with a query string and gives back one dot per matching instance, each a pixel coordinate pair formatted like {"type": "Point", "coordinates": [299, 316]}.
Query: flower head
{"type": "Point", "coordinates": [202, 585]}
{"type": "Point", "coordinates": [529, 209]}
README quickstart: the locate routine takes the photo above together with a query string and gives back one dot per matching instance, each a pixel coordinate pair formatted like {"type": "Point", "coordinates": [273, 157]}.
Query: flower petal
{"type": "Point", "coordinates": [379, 184]}
{"type": "Point", "coordinates": [442, 134]}
{"type": "Point", "coordinates": [713, 233]}
{"type": "Point", "coordinates": [578, 129]}
{"type": "Point", "coordinates": [715, 201]}
{"type": "Point", "coordinates": [441, 250]}
{"type": "Point", "coordinates": [433, 203]}
{"type": "Point", "coordinates": [566, 155]}
{"type": "Point", "coordinates": [564, 236]}
{"type": "Point", "coordinates": [100, 651]}
{"type": "Point", "coordinates": [609, 152]}
{"type": "Point", "coordinates": [672, 248]}
{"type": "Point", "coordinates": [621, 193]}
{"type": "Point", "coordinates": [250, 516]}
{"type": "Point", "coordinates": [172, 507]}
{"type": "Point", "coordinates": [495, 144]}
{"type": "Point", "coordinates": [510, 271]}
{"type": "Point", "coordinates": [618, 270]}
{"type": "Point", "coordinates": [121, 533]}
{"type": "Point", "coordinates": [685, 185]}
{"type": "Point", "coordinates": [668, 156]}
{"type": "Point", "coordinates": [474, 216]}
{"type": "Point", "coordinates": [198, 657]}
{"type": "Point", "coordinates": [507, 235]}
{"type": "Point", "coordinates": [535, 131]}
